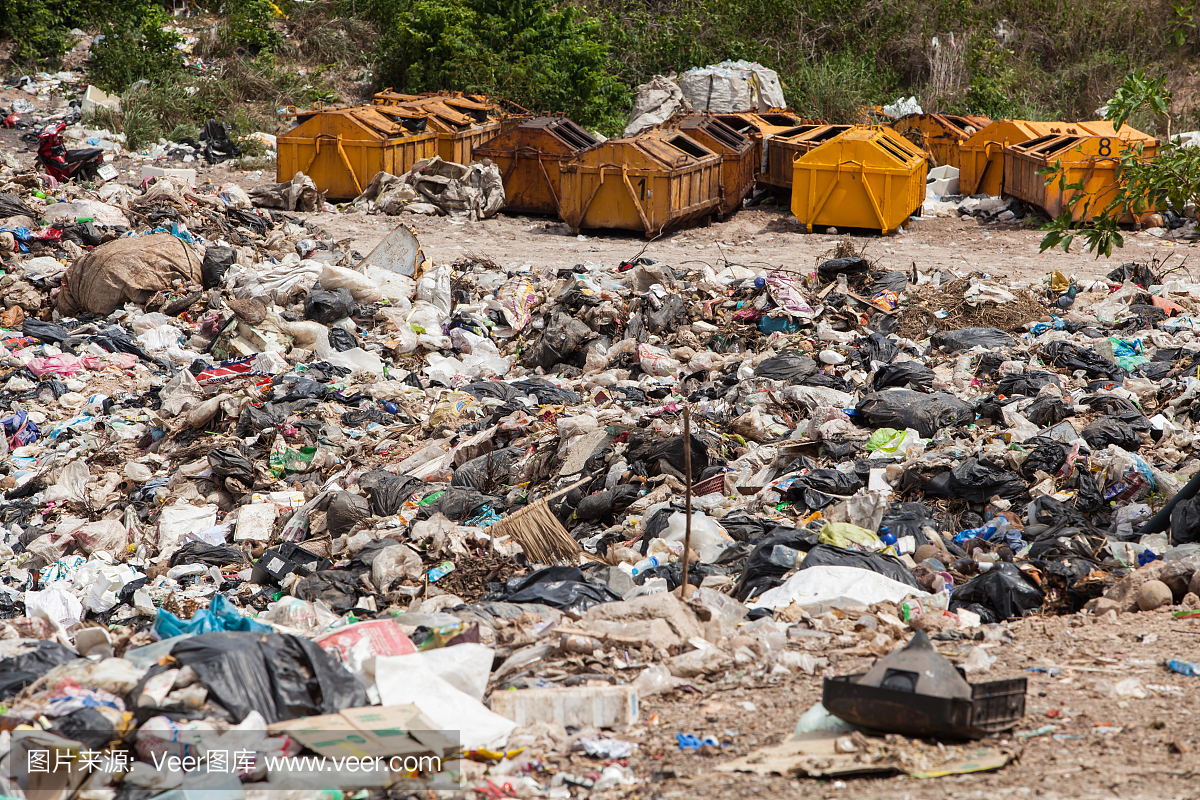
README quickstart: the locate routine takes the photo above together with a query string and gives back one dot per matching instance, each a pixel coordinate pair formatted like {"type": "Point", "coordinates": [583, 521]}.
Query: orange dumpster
{"type": "Point", "coordinates": [783, 149]}
{"type": "Point", "coordinates": [529, 156]}
{"type": "Point", "coordinates": [737, 156]}
{"type": "Point", "coordinates": [656, 180]}
{"type": "Point", "coordinates": [940, 135]}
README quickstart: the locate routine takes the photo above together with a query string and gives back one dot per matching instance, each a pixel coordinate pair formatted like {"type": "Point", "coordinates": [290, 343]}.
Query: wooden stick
{"type": "Point", "coordinates": [687, 473]}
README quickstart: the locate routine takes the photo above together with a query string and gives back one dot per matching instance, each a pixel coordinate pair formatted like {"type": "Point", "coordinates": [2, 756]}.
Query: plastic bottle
{"type": "Point", "coordinates": [886, 536]}
{"type": "Point", "coordinates": [1189, 668]}
{"type": "Point", "coordinates": [646, 563]}
{"type": "Point", "coordinates": [786, 556]}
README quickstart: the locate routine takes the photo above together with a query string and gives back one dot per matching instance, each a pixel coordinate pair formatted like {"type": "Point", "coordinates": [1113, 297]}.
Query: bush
{"type": "Point", "coordinates": [135, 47]}
{"type": "Point", "coordinates": [539, 55]}
{"type": "Point", "coordinates": [40, 30]}
{"type": "Point", "coordinates": [249, 24]}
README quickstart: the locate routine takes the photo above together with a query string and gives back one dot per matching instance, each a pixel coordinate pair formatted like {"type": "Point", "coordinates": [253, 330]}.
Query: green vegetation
{"type": "Point", "coordinates": [135, 47]}
{"type": "Point", "coordinates": [1039, 59]}
{"type": "Point", "coordinates": [1170, 179]}
{"type": "Point", "coordinates": [532, 52]}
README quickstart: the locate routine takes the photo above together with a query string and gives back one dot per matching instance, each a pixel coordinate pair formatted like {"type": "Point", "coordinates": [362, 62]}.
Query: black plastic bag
{"type": "Point", "coordinates": [878, 347]}
{"type": "Point", "coordinates": [1088, 497]}
{"type": "Point", "coordinates": [341, 339]}
{"type": "Point", "coordinates": [345, 511]}
{"type": "Point", "coordinates": [547, 393]}
{"type": "Point", "coordinates": [564, 588]}
{"type": "Point", "coordinates": [490, 470]}
{"type": "Point", "coordinates": [1047, 411]}
{"type": "Point", "coordinates": [215, 555]}
{"type": "Point", "coordinates": [905, 375]}
{"type": "Point", "coordinates": [1073, 357]}
{"type": "Point", "coordinates": [18, 671]}
{"type": "Point", "coordinates": [671, 451]}
{"type": "Point", "coordinates": [884, 281]}
{"type": "Point", "coordinates": [217, 261]}
{"type": "Point", "coordinates": [852, 267]}
{"type": "Point", "coordinates": [1002, 592]}
{"type": "Point", "coordinates": [43, 331]}
{"type": "Point", "coordinates": [761, 573]}
{"type": "Point", "coordinates": [1185, 521]}
{"type": "Point", "coordinates": [278, 675]}
{"type": "Point", "coordinates": [966, 338]}
{"type": "Point", "coordinates": [831, 481]}
{"type": "Point", "coordinates": [328, 307]}
{"type": "Point", "coordinates": [907, 519]}
{"type": "Point", "coordinates": [1026, 383]}
{"type": "Point", "coordinates": [924, 413]}
{"type": "Point", "coordinates": [978, 480]}
{"type": "Point", "coordinates": [388, 491]}
{"type": "Point", "coordinates": [561, 339]}
{"type": "Point", "coordinates": [232, 464]}
{"type": "Point", "coordinates": [459, 503]}
{"type": "Point", "coordinates": [337, 588]}
{"type": "Point", "coordinates": [218, 146]}
{"type": "Point", "coordinates": [827, 381]}
{"type": "Point", "coordinates": [483, 390]}
{"type": "Point", "coordinates": [1119, 408]}
{"type": "Point", "coordinates": [1047, 458]}
{"type": "Point", "coordinates": [790, 366]}
{"type": "Point", "coordinates": [1106, 430]}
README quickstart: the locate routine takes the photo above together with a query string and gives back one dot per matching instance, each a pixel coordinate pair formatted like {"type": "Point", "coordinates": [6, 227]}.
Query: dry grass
{"type": "Point", "coordinates": [917, 312]}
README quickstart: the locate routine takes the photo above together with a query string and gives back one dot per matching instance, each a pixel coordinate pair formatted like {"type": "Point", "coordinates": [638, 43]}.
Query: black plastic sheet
{"type": "Point", "coordinates": [966, 338]}
{"type": "Point", "coordinates": [924, 413]}
{"type": "Point", "coordinates": [1001, 593]}
{"type": "Point", "coordinates": [278, 675]}
{"type": "Point", "coordinates": [564, 588]}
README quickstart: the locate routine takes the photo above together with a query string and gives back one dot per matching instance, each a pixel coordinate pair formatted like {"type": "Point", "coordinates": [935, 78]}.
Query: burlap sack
{"type": "Point", "coordinates": [127, 270]}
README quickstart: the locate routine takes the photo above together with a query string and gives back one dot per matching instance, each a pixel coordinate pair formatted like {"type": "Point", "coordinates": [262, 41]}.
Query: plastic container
{"type": "Point", "coordinates": [785, 556]}
{"type": "Point", "coordinates": [709, 539]}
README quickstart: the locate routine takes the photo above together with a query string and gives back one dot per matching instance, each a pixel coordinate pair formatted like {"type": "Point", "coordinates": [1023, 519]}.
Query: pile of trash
{"type": "Point", "coordinates": [251, 476]}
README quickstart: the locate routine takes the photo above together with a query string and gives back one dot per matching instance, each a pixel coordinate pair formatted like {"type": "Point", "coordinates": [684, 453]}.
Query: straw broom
{"type": "Point", "coordinates": [538, 531]}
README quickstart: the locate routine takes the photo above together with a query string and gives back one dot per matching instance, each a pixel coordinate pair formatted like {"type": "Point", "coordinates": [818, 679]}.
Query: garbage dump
{"type": "Point", "coordinates": [559, 529]}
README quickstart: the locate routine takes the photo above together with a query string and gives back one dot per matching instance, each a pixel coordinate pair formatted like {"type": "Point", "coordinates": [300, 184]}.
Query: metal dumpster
{"type": "Point", "coordinates": [461, 122]}
{"type": "Point", "coordinates": [342, 149]}
{"type": "Point", "coordinates": [653, 181]}
{"type": "Point", "coordinates": [760, 127]}
{"type": "Point", "coordinates": [940, 135]}
{"type": "Point", "coordinates": [981, 155]}
{"type": "Point", "coordinates": [1089, 159]}
{"type": "Point", "coordinates": [737, 156]}
{"type": "Point", "coordinates": [868, 177]}
{"type": "Point", "coordinates": [783, 149]}
{"type": "Point", "coordinates": [529, 156]}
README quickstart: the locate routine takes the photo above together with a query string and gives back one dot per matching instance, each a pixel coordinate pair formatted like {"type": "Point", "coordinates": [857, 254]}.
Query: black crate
{"type": "Point", "coordinates": [994, 707]}
{"type": "Point", "coordinates": [286, 558]}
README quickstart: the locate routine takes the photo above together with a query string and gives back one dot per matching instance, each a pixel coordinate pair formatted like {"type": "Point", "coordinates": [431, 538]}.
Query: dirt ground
{"type": "Point", "coordinates": [1102, 747]}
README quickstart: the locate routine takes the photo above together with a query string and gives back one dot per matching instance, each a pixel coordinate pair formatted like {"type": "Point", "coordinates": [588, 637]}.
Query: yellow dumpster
{"type": "Point", "coordinates": [981, 155]}
{"type": "Point", "coordinates": [737, 156]}
{"type": "Point", "coordinates": [868, 177]}
{"type": "Point", "coordinates": [461, 122]}
{"type": "Point", "coordinates": [656, 180]}
{"type": "Point", "coordinates": [1088, 159]}
{"type": "Point", "coordinates": [940, 135]}
{"type": "Point", "coordinates": [342, 149]}
{"type": "Point", "coordinates": [785, 147]}
{"type": "Point", "coordinates": [529, 156]}
{"type": "Point", "coordinates": [759, 127]}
